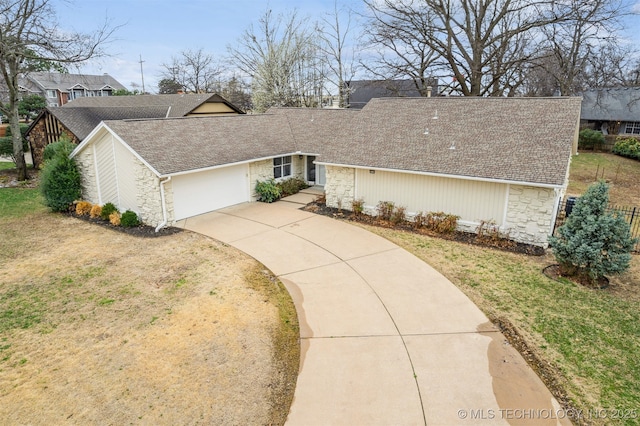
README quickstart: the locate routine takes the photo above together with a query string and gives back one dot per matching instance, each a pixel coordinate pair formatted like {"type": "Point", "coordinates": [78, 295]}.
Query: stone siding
{"type": "Point", "coordinates": [148, 195]}
{"type": "Point", "coordinates": [529, 214]}
{"type": "Point", "coordinates": [297, 167]}
{"type": "Point", "coordinates": [340, 187]}
{"type": "Point", "coordinates": [259, 171]}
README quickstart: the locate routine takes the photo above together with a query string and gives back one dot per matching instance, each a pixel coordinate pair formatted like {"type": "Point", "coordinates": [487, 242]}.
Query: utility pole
{"type": "Point", "coordinates": [142, 74]}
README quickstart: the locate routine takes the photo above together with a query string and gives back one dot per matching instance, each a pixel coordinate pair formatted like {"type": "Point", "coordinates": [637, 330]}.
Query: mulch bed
{"type": "Point", "coordinates": [142, 231]}
{"type": "Point", "coordinates": [463, 237]}
{"type": "Point", "coordinates": [553, 272]}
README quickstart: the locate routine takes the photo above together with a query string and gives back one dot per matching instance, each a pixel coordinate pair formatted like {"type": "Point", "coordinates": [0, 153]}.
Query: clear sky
{"type": "Point", "coordinates": [159, 29]}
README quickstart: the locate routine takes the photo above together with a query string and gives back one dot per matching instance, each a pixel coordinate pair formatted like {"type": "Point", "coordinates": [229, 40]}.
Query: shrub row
{"type": "Point", "coordinates": [627, 147]}
{"type": "Point", "coordinates": [439, 222]}
{"type": "Point", "coordinates": [108, 212]}
{"type": "Point", "coordinates": [269, 190]}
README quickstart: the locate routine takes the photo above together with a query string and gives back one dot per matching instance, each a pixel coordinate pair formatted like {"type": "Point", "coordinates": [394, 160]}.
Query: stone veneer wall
{"type": "Point", "coordinates": [148, 196]}
{"type": "Point", "coordinates": [340, 187]}
{"type": "Point", "coordinates": [259, 171]}
{"type": "Point", "coordinates": [297, 166]}
{"type": "Point", "coordinates": [530, 213]}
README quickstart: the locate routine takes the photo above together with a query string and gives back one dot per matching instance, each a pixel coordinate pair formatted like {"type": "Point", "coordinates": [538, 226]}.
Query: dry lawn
{"type": "Point", "coordinates": [98, 327]}
{"type": "Point", "coordinates": [619, 172]}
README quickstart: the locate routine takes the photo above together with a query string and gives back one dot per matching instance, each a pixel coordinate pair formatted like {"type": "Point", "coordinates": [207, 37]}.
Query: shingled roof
{"type": "Point", "coordinates": [178, 105]}
{"type": "Point", "coordinates": [81, 121]}
{"type": "Point", "coordinates": [64, 81]}
{"type": "Point", "coordinates": [614, 104]}
{"type": "Point", "coordinates": [179, 145]}
{"type": "Point", "coordinates": [507, 139]}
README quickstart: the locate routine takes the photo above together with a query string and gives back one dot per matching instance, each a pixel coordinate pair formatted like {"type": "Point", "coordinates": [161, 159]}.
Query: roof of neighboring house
{"type": "Point", "coordinates": [507, 139]}
{"type": "Point", "coordinates": [617, 104]}
{"type": "Point", "coordinates": [81, 121]}
{"type": "Point", "coordinates": [82, 115]}
{"type": "Point", "coordinates": [362, 91]}
{"type": "Point", "coordinates": [179, 104]}
{"type": "Point", "coordinates": [64, 82]}
{"type": "Point", "coordinates": [182, 144]}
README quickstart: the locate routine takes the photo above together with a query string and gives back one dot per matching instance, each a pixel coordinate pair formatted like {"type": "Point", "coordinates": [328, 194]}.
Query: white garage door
{"type": "Point", "coordinates": [202, 192]}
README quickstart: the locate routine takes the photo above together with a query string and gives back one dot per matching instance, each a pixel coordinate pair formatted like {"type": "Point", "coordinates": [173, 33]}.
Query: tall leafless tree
{"type": "Point", "coordinates": [400, 43]}
{"type": "Point", "coordinates": [29, 32]}
{"type": "Point", "coordinates": [579, 44]}
{"type": "Point", "coordinates": [479, 43]}
{"type": "Point", "coordinates": [195, 70]}
{"type": "Point", "coordinates": [337, 48]}
{"type": "Point", "coordinates": [280, 56]}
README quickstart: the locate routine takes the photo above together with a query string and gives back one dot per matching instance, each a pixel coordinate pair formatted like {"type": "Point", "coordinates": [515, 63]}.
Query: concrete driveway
{"type": "Point", "coordinates": [385, 338]}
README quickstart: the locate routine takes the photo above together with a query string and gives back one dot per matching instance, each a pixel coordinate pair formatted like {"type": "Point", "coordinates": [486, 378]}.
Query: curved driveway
{"type": "Point", "coordinates": [385, 339]}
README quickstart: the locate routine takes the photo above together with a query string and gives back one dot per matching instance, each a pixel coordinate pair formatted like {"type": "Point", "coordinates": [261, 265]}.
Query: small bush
{"type": "Point", "coordinates": [95, 211]}
{"type": "Point", "coordinates": [357, 207]}
{"type": "Point", "coordinates": [291, 186]}
{"type": "Point", "coordinates": [129, 219]}
{"type": "Point", "coordinates": [6, 142]}
{"type": "Point", "coordinates": [114, 218]}
{"type": "Point", "coordinates": [107, 209]}
{"type": "Point", "coordinates": [385, 210]}
{"type": "Point", "coordinates": [590, 139]}
{"type": "Point", "coordinates": [83, 208]}
{"type": "Point", "coordinates": [627, 147]}
{"type": "Point", "coordinates": [268, 191]}
{"type": "Point", "coordinates": [60, 179]}
{"type": "Point", "coordinates": [441, 222]}
{"type": "Point", "coordinates": [399, 215]}
{"type": "Point", "coordinates": [419, 220]}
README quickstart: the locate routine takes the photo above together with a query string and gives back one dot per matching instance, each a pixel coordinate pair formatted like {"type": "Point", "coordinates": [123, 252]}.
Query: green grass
{"type": "Point", "coordinates": [19, 202]}
{"type": "Point", "coordinates": [6, 165]}
{"type": "Point", "coordinates": [591, 336]}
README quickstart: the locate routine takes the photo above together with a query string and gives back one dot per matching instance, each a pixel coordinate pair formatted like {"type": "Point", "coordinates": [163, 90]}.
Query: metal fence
{"type": "Point", "coordinates": [631, 215]}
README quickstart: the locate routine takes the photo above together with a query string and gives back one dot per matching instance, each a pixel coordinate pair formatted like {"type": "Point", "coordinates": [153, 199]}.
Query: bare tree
{"type": "Point", "coordinates": [281, 59]}
{"type": "Point", "coordinates": [29, 33]}
{"type": "Point", "coordinates": [401, 40]}
{"type": "Point", "coordinates": [335, 35]}
{"type": "Point", "coordinates": [478, 42]}
{"type": "Point", "coordinates": [195, 70]}
{"type": "Point", "coordinates": [579, 44]}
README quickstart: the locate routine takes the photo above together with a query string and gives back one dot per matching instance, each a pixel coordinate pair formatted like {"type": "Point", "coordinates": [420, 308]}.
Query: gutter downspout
{"type": "Point", "coordinates": [164, 204]}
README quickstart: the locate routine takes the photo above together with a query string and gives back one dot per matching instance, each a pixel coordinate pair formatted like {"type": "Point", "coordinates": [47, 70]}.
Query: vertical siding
{"type": "Point", "coordinates": [126, 178]}
{"type": "Point", "coordinates": [106, 170]}
{"type": "Point", "coordinates": [473, 201]}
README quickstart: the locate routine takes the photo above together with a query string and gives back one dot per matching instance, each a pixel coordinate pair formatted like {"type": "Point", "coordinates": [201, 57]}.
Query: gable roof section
{"type": "Point", "coordinates": [362, 91]}
{"type": "Point", "coordinates": [510, 139]}
{"type": "Point", "coordinates": [619, 104]}
{"type": "Point", "coordinates": [81, 121]}
{"type": "Point", "coordinates": [178, 145]}
{"type": "Point", "coordinates": [179, 105]}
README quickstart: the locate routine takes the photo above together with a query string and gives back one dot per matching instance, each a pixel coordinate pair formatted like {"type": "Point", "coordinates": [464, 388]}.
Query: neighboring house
{"type": "Point", "coordinates": [78, 118]}
{"type": "Point", "coordinates": [612, 111]}
{"type": "Point", "coordinates": [504, 160]}
{"type": "Point", "coordinates": [362, 91]}
{"type": "Point", "coordinates": [58, 89]}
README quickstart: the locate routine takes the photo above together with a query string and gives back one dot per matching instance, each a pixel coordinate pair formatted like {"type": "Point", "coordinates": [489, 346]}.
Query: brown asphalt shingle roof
{"type": "Point", "coordinates": [178, 105]}
{"type": "Point", "coordinates": [81, 121]}
{"type": "Point", "coordinates": [182, 144]}
{"type": "Point", "coordinates": [512, 139]}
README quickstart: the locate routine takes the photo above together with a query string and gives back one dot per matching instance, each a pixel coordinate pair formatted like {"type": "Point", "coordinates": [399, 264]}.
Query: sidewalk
{"type": "Point", "coordinates": [385, 339]}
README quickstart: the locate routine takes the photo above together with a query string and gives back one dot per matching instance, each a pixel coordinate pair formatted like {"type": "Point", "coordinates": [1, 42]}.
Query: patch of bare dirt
{"type": "Point", "coordinates": [99, 327]}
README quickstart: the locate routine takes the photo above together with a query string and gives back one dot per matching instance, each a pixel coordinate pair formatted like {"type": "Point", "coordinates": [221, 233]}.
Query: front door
{"type": "Point", "coordinates": [311, 169]}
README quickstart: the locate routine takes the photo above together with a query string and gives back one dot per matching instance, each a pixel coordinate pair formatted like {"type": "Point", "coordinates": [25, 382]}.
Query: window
{"type": "Point", "coordinates": [632, 128]}
{"type": "Point", "coordinates": [282, 167]}
{"type": "Point", "coordinates": [52, 94]}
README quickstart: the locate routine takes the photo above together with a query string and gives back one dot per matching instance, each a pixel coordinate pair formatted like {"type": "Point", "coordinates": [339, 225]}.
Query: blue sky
{"type": "Point", "coordinates": [159, 29]}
